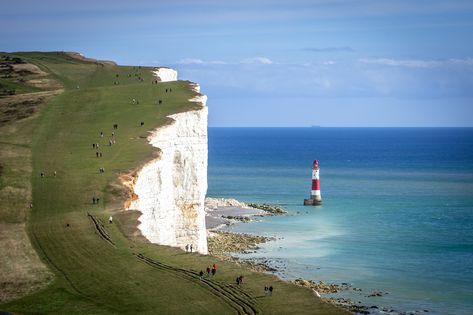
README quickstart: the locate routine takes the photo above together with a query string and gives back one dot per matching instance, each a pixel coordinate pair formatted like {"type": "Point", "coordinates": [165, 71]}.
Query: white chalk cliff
{"type": "Point", "coordinates": [171, 189]}
{"type": "Point", "coordinates": [165, 74]}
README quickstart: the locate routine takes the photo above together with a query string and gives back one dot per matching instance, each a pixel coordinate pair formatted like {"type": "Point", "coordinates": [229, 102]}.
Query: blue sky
{"type": "Point", "coordinates": [279, 63]}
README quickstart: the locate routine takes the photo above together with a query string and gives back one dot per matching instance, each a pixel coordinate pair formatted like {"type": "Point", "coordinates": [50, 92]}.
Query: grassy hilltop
{"type": "Point", "coordinates": [60, 255]}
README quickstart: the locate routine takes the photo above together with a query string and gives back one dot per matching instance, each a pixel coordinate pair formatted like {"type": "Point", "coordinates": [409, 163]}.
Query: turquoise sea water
{"type": "Point", "coordinates": [397, 212]}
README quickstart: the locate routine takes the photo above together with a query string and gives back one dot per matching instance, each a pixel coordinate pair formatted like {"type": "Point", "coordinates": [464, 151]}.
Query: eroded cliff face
{"type": "Point", "coordinates": [170, 190]}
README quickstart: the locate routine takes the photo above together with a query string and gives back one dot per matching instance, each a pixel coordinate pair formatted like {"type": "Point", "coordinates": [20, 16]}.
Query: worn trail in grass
{"type": "Point", "coordinates": [99, 268]}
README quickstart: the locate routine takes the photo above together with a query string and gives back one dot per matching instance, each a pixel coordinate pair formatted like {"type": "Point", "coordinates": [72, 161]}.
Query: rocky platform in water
{"type": "Point", "coordinates": [222, 212]}
{"type": "Point", "coordinates": [269, 209]}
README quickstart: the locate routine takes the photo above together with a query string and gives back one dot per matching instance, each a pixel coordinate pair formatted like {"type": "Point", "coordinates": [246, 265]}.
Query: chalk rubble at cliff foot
{"type": "Point", "coordinates": [215, 203]}
{"type": "Point", "coordinates": [171, 189]}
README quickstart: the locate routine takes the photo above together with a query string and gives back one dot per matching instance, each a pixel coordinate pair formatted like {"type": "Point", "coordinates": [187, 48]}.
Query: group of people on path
{"type": "Point", "coordinates": [98, 154]}
{"type": "Point", "coordinates": [239, 280]}
{"type": "Point", "coordinates": [210, 272]}
{"type": "Point", "coordinates": [213, 271]}
{"type": "Point", "coordinates": [268, 290]}
{"type": "Point", "coordinates": [189, 248]}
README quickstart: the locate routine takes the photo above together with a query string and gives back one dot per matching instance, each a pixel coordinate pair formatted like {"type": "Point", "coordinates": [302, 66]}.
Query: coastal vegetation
{"type": "Point", "coordinates": [59, 253]}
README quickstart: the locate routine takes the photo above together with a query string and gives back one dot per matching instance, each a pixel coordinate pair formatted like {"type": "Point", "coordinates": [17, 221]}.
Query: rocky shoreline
{"type": "Point", "coordinates": [221, 243]}
{"type": "Point", "coordinates": [270, 209]}
{"type": "Point", "coordinates": [221, 212]}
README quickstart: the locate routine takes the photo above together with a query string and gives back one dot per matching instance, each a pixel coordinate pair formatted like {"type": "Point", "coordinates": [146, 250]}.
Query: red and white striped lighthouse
{"type": "Point", "coordinates": [315, 197]}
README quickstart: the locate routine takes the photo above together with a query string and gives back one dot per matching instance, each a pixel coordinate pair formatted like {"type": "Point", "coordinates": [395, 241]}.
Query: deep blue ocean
{"type": "Point", "coordinates": [397, 213]}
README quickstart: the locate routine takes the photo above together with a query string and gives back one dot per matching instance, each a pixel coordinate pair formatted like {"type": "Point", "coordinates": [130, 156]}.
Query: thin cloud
{"type": "Point", "coordinates": [464, 62]}
{"type": "Point", "coordinates": [411, 63]}
{"type": "Point", "coordinates": [257, 60]}
{"type": "Point", "coordinates": [196, 61]}
{"type": "Point", "coordinates": [329, 49]}
{"type": "Point", "coordinates": [417, 63]}
{"type": "Point", "coordinates": [253, 60]}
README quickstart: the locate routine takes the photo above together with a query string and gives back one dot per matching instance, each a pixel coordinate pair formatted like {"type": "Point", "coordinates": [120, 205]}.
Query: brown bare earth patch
{"type": "Point", "coordinates": [23, 89]}
{"type": "Point", "coordinates": [21, 270]}
{"type": "Point", "coordinates": [19, 77]}
{"type": "Point", "coordinates": [27, 68]}
{"type": "Point", "coordinates": [44, 83]}
{"type": "Point", "coordinates": [16, 107]}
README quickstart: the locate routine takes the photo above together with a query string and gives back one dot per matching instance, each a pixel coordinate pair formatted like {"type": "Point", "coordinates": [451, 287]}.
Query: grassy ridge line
{"type": "Point", "coordinates": [93, 277]}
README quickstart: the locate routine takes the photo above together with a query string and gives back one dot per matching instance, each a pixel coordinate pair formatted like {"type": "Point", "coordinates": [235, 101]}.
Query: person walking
{"type": "Point", "coordinates": [208, 271]}
{"type": "Point", "coordinates": [201, 275]}
{"type": "Point", "coordinates": [214, 271]}
{"type": "Point", "coordinates": [93, 200]}
{"type": "Point", "coordinates": [266, 290]}
{"type": "Point", "coordinates": [110, 220]}
{"type": "Point", "coordinates": [271, 290]}
{"type": "Point", "coordinates": [187, 248]}
{"type": "Point", "coordinates": [191, 248]}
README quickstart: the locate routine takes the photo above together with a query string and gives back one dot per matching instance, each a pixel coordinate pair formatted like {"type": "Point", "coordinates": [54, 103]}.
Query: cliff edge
{"type": "Point", "coordinates": [170, 190]}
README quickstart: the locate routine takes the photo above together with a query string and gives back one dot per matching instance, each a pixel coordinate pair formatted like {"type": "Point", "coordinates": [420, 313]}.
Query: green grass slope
{"type": "Point", "coordinates": [98, 268]}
